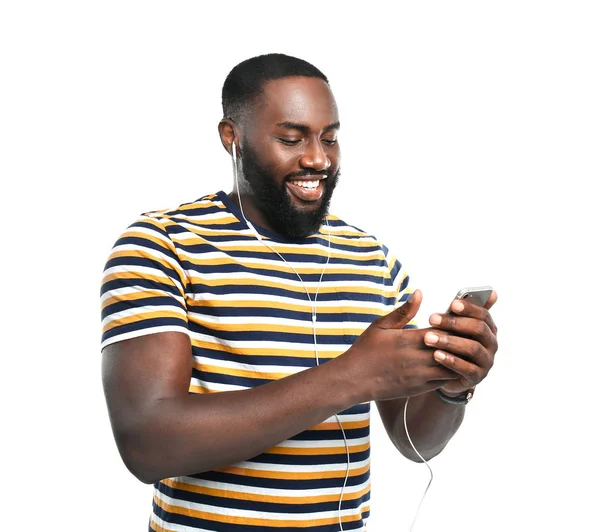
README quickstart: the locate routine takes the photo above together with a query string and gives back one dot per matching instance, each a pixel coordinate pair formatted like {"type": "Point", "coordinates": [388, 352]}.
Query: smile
{"type": "Point", "coordinates": [306, 189]}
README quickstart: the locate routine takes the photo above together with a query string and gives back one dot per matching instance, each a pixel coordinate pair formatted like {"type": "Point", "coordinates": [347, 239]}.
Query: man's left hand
{"type": "Point", "coordinates": [466, 342]}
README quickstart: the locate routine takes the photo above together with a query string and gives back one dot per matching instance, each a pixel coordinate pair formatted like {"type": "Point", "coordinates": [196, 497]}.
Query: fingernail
{"type": "Point", "coordinates": [438, 355]}
{"type": "Point", "coordinates": [435, 319]}
{"type": "Point", "coordinates": [458, 306]}
{"type": "Point", "coordinates": [431, 338]}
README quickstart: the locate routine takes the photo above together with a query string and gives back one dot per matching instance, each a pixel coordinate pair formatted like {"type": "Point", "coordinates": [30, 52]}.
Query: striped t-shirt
{"type": "Point", "coordinates": [200, 270]}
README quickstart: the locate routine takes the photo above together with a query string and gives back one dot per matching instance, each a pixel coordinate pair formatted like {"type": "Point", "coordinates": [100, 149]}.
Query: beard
{"type": "Point", "coordinates": [275, 203]}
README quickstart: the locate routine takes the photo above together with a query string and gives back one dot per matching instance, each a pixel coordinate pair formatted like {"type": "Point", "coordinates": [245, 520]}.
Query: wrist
{"type": "Point", "coordinates": [461, 398]}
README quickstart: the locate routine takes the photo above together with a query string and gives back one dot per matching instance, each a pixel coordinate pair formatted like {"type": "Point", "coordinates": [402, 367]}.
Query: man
{"type": "Point", "coordinates": [245, 334]}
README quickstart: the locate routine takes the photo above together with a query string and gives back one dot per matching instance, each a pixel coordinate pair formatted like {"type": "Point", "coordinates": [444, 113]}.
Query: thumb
{"type": "Point", "coordinates": [399, 317]}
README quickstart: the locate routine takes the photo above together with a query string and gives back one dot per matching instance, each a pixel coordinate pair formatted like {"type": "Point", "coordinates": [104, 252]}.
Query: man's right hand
{"type": "Point", "coordinates": [390, 362]}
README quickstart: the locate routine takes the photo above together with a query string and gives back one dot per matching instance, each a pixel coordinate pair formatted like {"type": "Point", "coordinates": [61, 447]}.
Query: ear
{"type": "Point", "coordinates": [227, 133]}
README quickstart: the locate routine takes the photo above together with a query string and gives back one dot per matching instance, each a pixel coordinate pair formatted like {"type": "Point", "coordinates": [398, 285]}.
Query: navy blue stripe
{"type": "Point", "coordinates": [147, 262]}
{"type": "Point", "coordinates": [199, 288]}
{"type": "Point", "coordinates": [296, 460]}
{"type": "Point", "coordinates": [270, 310]}
{"type": "Point", "coordinates": [283, 484]}
{"type": "Point", "coordinates": [126, 304]}
{"type": "Point", "coordinates": [333, 434]}
{"type": "Point", "coordinates": [268, 336]}
{"type": "Point", "coordinates": [142, 284]}
{"type": "Point", "coordinates": [274, 274]}
{"type": "Point", "coordinates": [255, 360]}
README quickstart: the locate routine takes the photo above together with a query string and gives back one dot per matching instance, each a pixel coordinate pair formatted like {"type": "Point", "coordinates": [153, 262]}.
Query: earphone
{"type": "Point", "coordinates": [313, 304]}
{"type": "Point", "coordinates": [314, 322]}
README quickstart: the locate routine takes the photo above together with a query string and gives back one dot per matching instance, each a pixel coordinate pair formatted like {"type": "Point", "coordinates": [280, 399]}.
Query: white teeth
{"type": "Point", "coordinates": [312, 185]}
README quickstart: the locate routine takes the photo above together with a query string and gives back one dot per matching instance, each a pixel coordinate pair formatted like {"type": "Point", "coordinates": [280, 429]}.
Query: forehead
{"type": "Point", "coordinates": [298, 99]}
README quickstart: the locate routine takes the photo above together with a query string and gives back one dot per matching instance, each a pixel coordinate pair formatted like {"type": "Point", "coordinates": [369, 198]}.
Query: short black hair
{"type": "Point", "coordinates": [245, 81]}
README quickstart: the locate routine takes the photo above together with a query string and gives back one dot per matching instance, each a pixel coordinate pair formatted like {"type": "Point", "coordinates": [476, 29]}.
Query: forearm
{"type": "Point", "coordinates": [196, 433]}
{"type": "Point", "coordinates": [431, 424]}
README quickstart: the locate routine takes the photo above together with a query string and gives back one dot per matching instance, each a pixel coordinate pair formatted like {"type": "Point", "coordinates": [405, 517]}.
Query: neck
{"type": "Point", "coordinates": [250, 210]}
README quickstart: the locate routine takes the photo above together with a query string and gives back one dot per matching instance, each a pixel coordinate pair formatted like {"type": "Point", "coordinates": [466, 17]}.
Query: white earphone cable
{"type": "Point", "coordinates": [313, 313]}
{"type": "Point", "coordinates": [424, 461]}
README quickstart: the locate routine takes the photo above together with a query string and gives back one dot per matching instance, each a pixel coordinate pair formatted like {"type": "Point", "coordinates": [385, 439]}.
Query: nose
{"type": "Point", "coordinates": [315, 157]}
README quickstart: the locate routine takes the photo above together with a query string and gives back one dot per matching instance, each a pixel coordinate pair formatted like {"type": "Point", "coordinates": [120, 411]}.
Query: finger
{"type": "Point", "coordinates": [461, 307]}
{"type": "Point", "coordinates": [467, 327]}
{"type": "Point", "coordinates": [470, 374]}
{"type": "Point", "coordinates": [491, 300]}
{"type": "Point", "coordinates": [401, 316]}
{"type": "Point", "coordinates": [465, 348]}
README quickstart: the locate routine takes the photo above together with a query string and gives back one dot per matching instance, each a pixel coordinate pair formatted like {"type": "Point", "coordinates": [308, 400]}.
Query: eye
{"type": "Point", "coordinates": [330, 142]}
{"type": "Point", "coordinates": [289, 142]}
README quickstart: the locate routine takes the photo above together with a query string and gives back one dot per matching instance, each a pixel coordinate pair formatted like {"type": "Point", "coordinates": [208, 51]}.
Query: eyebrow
{"type": "Point", "coordinates": [305, 129]}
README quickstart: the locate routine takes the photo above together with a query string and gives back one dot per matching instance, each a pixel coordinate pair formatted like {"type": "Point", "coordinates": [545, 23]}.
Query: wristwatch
{"type": "Point", "coordinates": [461, 399]}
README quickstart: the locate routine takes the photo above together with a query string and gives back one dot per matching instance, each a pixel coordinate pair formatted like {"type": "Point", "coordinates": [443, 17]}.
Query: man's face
{"type": "Point", "coordinates": [290, 155]}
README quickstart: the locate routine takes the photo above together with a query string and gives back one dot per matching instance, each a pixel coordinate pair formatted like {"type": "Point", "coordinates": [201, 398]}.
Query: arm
{"type": "Point", "coordinates": [432, 422]}
{"type": "Point", "coordinates": [162, 431]}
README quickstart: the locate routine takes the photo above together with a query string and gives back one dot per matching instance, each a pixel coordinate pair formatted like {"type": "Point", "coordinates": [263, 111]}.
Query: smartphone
{"type": "Point", "coordinates": [477, 294]}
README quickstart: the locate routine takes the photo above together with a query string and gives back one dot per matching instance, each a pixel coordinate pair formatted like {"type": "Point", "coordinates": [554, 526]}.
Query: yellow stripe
{"type": "Point", "coordinates": [262, 327]}
{"type": "Point", "coordinates": [376, 290]}
{"type": "Point", "coordinates": [157, 528]}
{"type": "Point", "coordinates": [138, 275]}
{"type": "Point", "coordinates": [233, 519]}
{"type": "Point", "coordinates": [318, 451]}
{"type": "Point", "coordinates": [239, 372]}
{"type": "Point", "coordinates": [140, 317]}
{"type": "Point", "coordinates": [206, 220]}
{"type": "Point", "coordinates": [133, 296]}
{"type": "Point", "coordinates": [264, 351]}
{"type": "Point", "coordinates": [348, 425]}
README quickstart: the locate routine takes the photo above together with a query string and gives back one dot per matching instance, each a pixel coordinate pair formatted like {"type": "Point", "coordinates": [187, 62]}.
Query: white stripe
{"type": "Point", "coordinates": [154, 232]}
{"type": "Point", "coordinates": [284, 299]}
{"type": "Point", "coordinates": [274, 321]}
{"type": "Point", "coordinates": [257, 277]}
{"type": "Point", "coordinates": [295, 468]}
{"type": "Point", "coordinates": [121, 293]}
{"type": "Point", "coordinates": [228, 364]}
{"type": "Point", "coordinates": [217, 386]}
{"type": "Point", "coordinates": [219, 215]}
{"type": "Point", "coordinates": [313, 444]}
{"type": "Point", "coordinates": [261, 344]}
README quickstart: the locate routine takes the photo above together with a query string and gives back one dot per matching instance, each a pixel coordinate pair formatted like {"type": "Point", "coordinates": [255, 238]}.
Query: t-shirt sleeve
{"type": "Point", "coordinates": [401, 287]}
{"type": "Point", "coordinates": [143, 287]}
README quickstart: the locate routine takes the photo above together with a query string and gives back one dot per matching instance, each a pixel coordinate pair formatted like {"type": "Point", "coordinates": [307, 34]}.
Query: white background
{"type": "Point", "coordinates": [470, 138]}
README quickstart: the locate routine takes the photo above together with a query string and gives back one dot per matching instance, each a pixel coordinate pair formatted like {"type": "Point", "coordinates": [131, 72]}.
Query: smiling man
{"type": "Point", "coordinates": [246, 334]}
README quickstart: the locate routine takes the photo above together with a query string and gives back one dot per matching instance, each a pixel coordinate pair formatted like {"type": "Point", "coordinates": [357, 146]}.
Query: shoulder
{"type": "Point", "coordinates": [342, 230]}
{"type": "Point", "coordinates": [204, 209]}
